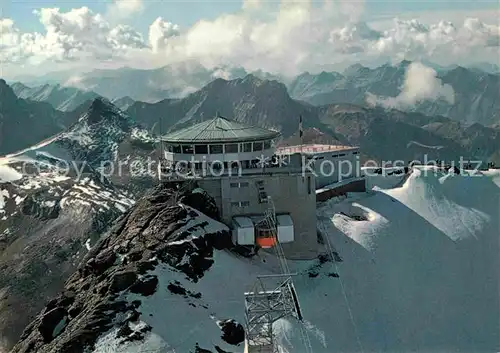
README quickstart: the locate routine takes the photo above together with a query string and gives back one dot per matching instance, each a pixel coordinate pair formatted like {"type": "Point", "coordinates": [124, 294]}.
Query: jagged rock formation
{"type": "Point", "coordinates": [157, 232]}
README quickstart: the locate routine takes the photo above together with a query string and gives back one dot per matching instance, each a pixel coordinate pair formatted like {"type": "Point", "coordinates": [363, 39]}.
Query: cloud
{"type": "Point", "coordinates": [420, 84]}
{"type": "Point", "coordinates": [442, 42]}
{"type": "Point", "coordinates": [78, 34]}
{"type": "Point", "coordinates": [78, 82]}
{"type": "Point", "coordinates": [292, 38]}
{"type": "Point", "coordinates": [128, 6]}
{"type": "Point", "coordinates": [122, 9]}
{"type": "Point", "coordinates": [251, 4]}
{"type": "Point", "coordinates": [160, 32]}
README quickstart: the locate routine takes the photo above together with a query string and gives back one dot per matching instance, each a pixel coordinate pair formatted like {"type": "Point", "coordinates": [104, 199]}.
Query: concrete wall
{"type": "Point", "coordinates": [333, 166]}
{"type": "Point", "coordinates": [329, 166]}
{"type": "Point", "coordinates": [291, 193]}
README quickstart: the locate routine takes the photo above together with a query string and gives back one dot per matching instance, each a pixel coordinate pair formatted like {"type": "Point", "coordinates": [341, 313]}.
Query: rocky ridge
{"type": "Point", "coordinates": [169, 227]}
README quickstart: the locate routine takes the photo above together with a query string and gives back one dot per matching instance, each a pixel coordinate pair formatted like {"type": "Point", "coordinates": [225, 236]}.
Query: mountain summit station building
{"type": "Point", "coordinates": [241, 168]}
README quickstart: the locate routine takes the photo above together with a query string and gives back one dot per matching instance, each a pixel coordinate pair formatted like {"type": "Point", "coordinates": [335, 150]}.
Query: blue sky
{"type": "Point", "coordinates": [441, 31]}
{"type": "Point", "coordinates": [187, 12]}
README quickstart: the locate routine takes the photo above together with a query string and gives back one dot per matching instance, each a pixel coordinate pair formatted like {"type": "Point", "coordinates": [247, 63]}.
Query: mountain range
{"type": "Point", "coordinates": [70, 231]}
{"type": "Point", "coordinates": [476, 89]}
{"type": "Point", "coordinates": [476, 93]}
{"type": "Point", "coordinates": [381, 133]}
{"type": "Point", "coordinates": [62, 98]}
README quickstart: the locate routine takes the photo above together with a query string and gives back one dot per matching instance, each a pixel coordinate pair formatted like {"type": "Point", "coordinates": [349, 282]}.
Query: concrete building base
{"type": "Point", "coordinates": [291, 193]}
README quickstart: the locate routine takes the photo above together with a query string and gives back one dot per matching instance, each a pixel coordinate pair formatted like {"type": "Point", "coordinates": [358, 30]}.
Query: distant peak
{"type": "Point", "coordinates": [459, 69]}
{"type": "Point", "coordinates": [355, 69]}
{"type": "Point", "coordinates": [405, 63]}
{"type": "Point", "coordinates": [252, 78]}
{"type": "Point", "coordinates": [328, 76]}
{"type": "Point", "coordinates": [100, 109]}
{"type": "Point", "coordinates": [6, 92]}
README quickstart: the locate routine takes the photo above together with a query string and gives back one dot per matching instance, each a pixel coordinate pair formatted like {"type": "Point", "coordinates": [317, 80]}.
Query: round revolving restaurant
{"type": "Point", "coordinates": [219, 140]}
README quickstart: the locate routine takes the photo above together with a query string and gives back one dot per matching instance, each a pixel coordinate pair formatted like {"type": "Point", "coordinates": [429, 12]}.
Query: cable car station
{"type": "Point", "coordinates": [235, 163]}
{"type": "Point", "coordinates": [267, 198]}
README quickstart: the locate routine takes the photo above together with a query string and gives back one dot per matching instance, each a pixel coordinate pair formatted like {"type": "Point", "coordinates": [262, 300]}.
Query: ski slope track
{"type": "Point", "coordinates": [418, 265]}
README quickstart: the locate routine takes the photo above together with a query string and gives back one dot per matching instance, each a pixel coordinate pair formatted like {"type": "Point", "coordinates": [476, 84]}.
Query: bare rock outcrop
{"type": "Point", "coordinates": [158, 230]}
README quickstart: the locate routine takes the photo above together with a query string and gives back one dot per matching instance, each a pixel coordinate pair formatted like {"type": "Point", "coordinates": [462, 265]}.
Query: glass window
{"type": "Point", "coordinates": [240, 203]}
{"type": "Point", "coordinates": [216, 149]}
{"type": "Point", "coordinates": [235, 165]}
{"type": "Point", "coordinates": [187, 149]}
{"type": "Point", "coordinates": [169, 148]}
{"type": "Point", "coordinates": [176, 149]}
{"type": "Point", "coordinates": [267, 145]}
{"type": "Point", "coordinates": [257, 146]}
{"type": "Point", "coordinates": [265, 233]}
{"type": "Point", "coordinates": [242, 184]}
{"type": "Point", "coordinates": [231, 148]}
{"type": "Point", "coordinates": [201, 149]}
{"type": "Point", "coordinates": [246, 147]}
{"type": "Point", "coordinates": [217, 165]}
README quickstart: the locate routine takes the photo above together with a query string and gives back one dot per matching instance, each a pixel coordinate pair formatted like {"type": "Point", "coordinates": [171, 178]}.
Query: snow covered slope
{"type": "Point", "coordinates": [421, 264]}
{"type": "Point", "coordinates": [416, 270]}
{"type": "Point", "coordinates": [46, 217]}
{"type": "Point", "coordinates": [384, 178]}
